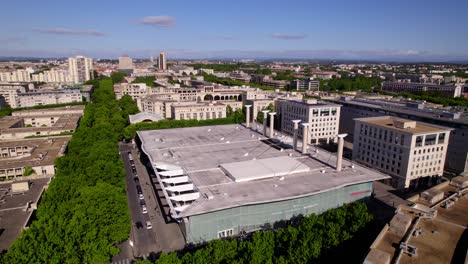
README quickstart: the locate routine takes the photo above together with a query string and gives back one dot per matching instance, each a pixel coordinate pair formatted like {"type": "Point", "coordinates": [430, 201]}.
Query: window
{"type": "Point", "coordinates": [441, 138]}
{"type": "Point", "coordinates": [225, 233]}
{"type": "Point", "coordinates": [419, 140]}
{"type": "Point", "coordinates": [430, 140]}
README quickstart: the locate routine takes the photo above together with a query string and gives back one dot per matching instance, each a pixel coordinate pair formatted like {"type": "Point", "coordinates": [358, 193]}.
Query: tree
{"type": "Point", "coordinates": [28, 171]}
{"type": "Point", "coordinates": [118, 77]}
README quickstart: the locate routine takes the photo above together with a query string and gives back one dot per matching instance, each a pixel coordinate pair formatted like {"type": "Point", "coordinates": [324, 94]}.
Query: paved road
{"type": "Point", "coordinates": [145, 241]}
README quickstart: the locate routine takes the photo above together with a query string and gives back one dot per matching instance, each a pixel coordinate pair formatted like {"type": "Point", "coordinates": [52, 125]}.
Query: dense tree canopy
{"type": "Point", "coordinates": [302, 242]}
{"type": "Point", "coordinates": [351, 84]}
{"type": "Point", "coordinates": [117, 77]}
{"type": "Point", "coordinates": [84, 212]}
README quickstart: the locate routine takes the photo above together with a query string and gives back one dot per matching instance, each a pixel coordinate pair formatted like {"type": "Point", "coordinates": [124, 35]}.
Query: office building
{"type": "Point", "coordinates": [307, 84]}
{"type": "Point", "coordinates": [198, 111]}
{"type": "Point", "coordinates": [81, 69]}
{"type": "Point", "coordinates": [226, 180]}
{"type": "Point", "coordinates": [413, 153]}
{"type": "Point", "coordinates": [323, 118]}
{"type": "Point", "coordinates": [125, 63]}
{"type": "Point", "coordinates": [451, 90]}
{"type": "Point", "coordinates": [457, 153]}
{"type": "Point", "coordinates": [162, 63]}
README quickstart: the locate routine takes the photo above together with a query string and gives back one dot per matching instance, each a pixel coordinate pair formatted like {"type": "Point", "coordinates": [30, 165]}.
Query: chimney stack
{"type": "Point", "coordinates": [265, 112]}
{"type": "Point", "coordinates": [272, 119]}
{"type": "Point", "coordinates": [296, 127]}
{"type": "Point", "coordinates": [339, 155]}
{"type": "Point", "coordinates": [247, 115]}
{"type": "Point", "coordinates": [305, 132]}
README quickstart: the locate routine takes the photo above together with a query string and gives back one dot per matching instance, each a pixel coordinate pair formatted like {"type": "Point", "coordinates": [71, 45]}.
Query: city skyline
{"type": "Point", "coordinates": [395, 31]}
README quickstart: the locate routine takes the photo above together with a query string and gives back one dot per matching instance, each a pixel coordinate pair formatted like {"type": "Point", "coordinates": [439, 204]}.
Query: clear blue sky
{"type": "Point", "coordinates": [365, 29]}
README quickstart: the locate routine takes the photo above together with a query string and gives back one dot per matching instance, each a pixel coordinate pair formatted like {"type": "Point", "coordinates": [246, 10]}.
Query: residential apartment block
{"type": "Point", "coordinates": [81, 69]}
{"type": "Point", "coordinates": [45, 97]}
{"type": "Point", "coordinates": [413, 153]}
{"type": "Point", "coordinates": [308, 84]}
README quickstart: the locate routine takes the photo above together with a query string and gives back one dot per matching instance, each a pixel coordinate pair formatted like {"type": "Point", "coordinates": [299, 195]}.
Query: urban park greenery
{"type": "Point", "coordinates": [84, 212]}
{"type": "Point", "coordinates": [304, 241]}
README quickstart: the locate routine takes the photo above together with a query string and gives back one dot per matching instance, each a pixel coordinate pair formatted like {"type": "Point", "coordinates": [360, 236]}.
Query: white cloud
{"type": "Point", "coordinates": [287, 36]}
{"type": "Point", "coordinates": [69, 31]}
{"type": "Point", "coordinates": [158, 21]}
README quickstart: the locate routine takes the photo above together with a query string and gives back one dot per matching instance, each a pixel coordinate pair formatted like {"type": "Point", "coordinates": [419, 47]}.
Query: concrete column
{"type": "Point", "coordinates": [265, 112]}
{"type": "Point", "coordinates": [247, 115]}
{"type": "Point", "coordinates": [339, 155]}
{"type": "Point", "coordinates": [296, 127]}
{"type": "Point", "coordinates": [305, 132]}
{"type": "Point", "coordinates": [272, 120]}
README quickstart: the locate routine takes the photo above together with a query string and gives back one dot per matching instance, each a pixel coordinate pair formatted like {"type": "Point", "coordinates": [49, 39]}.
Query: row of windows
{"type": "Point", "coordinates": [382, 134]}
{"type": "Point", "coordinates": [425, 171]}
{"type": "Point", "coordinates": [209, 115]}
{"type": "Point", "coordinates": [423, 151]}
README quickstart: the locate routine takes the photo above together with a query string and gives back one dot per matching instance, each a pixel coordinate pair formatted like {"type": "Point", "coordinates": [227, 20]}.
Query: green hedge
{"type": "Point", "coordinates": [84, 212]}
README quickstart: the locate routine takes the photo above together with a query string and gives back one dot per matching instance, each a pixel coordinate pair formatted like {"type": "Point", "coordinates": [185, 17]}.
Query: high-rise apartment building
{"type": "Point", "coordinates": [125, 63]}
{"type": "Point", "coordinates": [413, 153]}
{"type": "Point", "coordinates": [162, 64]}
{"type": "Point", "coordinates": [81, 69]}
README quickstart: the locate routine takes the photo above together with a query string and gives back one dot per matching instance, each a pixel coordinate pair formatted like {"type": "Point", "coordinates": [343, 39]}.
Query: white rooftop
{"type": "Point", "coordinates": [263, 168]}
{"type": "Point", "coordinates": [231, 166]}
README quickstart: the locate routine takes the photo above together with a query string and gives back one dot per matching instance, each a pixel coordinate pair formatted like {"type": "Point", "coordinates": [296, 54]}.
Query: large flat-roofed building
{"type": "Point", "coordinates": [10, 92]}
{"type": "Point", "coordinates": [39, 154]}
{"type": "Point", "coordinates": [323, 118]}
{"type": "Point", "coordinates": [449, 90]}
{"type": "Point", "coordinates": [426, 232]}
{"type": "Point", "coordinates": [457, 153]}
{"type": "Point", "coordinates": [221, 181]}
{"type": "Point", "coordinates": [41, 122]}
{"type": "Point", "coordinates": [413, 153]}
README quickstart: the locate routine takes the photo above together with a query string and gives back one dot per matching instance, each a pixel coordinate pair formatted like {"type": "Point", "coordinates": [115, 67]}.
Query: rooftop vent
{"type": "Point", "coordinates": [404, 124]}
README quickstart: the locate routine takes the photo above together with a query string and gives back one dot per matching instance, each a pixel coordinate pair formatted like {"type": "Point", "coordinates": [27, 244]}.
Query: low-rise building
{"type": "Point", "coordinates": [41, 122]}
{"type": "Point", "coordinates": [134, 90]}
{"type": "Point", "coordinates": [37, 154]}
{"type": "Point", "coordinates": [413, 153]}
{"type": "Point", "coordinates": [451, 90]}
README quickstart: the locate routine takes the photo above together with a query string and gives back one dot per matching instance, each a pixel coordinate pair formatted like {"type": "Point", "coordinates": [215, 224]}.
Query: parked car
{"type": "Point", "coordinates": [141, 196]}
{"type": "Point", "coordinates": [143, 209]}
{"type": "Point", "coordinates": [138, 187]}
{"type": "Point", "coordinates": [136, 179]}
{"type": "Point", "coordinates": [148, 225]}
{"type": "Point", "coordinates": [139, 225]}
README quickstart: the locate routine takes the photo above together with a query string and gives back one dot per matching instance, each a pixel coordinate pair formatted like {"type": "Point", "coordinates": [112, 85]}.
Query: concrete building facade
{"type": "Point", "coordinates": [228, 180]}
{"type": "Point", "coordinates": [198, 111]}
{"type": "Point", "coordinates": [81, 69]}
{"type": "Point", "coordinates": [441, 90]}
{"type": "Point", "coordinates": [323, 118]}
{"type": "Point", "coordinates": [162, 60]}
{"type": "Point", "coordinates": [307, 84]}
{"type": "Point", "coordinates": [457, 153]}
{"type": "Point", "coordinates": [49, 97]}
{"type": "Point", "coordinates": [413, 153]}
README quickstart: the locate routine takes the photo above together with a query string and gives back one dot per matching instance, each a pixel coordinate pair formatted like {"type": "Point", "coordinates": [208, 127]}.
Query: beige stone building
{"type": "Point", "coordinates": [323, 118]}
{"type": "Point", "coordinates": [198, 111]}
{"type": "Point", "coordinates": [46, 97]}
{"type": "Point", "coordinates": [135, 90]}
{"type": "Point", "coordinates": [413, 153]}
